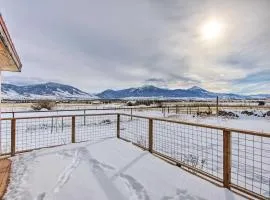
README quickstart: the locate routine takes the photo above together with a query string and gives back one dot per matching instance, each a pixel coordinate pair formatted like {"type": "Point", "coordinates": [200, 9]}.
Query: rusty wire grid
{"type": "Point", "coordinates": [90, 128]}
{"type": "Point", "coordinates": [134, 129]}
{"type": "Point", "coordinates": [42, 132]}
{"type": "Point", "coordinates": [5, 136]}
{"type": "Point", "coordinates": [198, 147]}
{"type": "Point", "coordinates": [251, 163]}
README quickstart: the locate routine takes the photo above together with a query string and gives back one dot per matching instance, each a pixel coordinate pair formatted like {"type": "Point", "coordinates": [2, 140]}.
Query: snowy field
{"type": "Point", "coordinates": [243, 122]}
{"type": "Point", "coordinates": [107, 169]}
{"type": "Point", "coordinates": [27, 106]}
{"type": "Point", "coordinates": [15, 107]}
{"type": "Point", "coordinates": [261, 124]}
{"type": "Point", "coordinates": [199, 147]}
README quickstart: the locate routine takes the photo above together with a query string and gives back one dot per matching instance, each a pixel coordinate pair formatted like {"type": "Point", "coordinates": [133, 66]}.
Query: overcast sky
{"type": "Point", "coordinates": [101, 44]}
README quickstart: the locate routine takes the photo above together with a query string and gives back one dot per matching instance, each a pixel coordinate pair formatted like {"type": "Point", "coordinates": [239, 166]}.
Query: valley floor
{"type": "Point", "coordinates": [261, 124]}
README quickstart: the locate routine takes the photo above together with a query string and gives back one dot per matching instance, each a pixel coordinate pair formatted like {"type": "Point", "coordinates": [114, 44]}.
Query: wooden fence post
{"type": "Point", "coordinates": [131, 114]}
{"type": "Point", "coordinates": [84, 112]}
{"type": "Point", "coordinates": [150, 136]}
{"type": "Point", "coordinates": [118, 126]}
{"type": "Point", "coordinates": [52, 126]}
{"type": "Point", "coordinates": [73, 129]}
{"type": "Point", "coordinates": [217, 109]}
{"type": "Point", "coordinates": [62, 124]}
{"type": "Point", "coordinates": [226, 158]}
{"type": "Point", "coordinates": [13, 136]}
{"type": "Point", "coordinates": [164, 113]}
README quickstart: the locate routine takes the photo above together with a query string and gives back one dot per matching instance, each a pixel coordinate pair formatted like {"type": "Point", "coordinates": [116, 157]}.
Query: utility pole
{"type": "Point", "coordinates": [217, 107]}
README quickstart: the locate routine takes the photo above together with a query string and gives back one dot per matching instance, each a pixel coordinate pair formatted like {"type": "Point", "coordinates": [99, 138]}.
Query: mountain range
{"type": "Point", "coordinates": [43, 91]}
{"type": "Point", "coordinates": [53, 90]}
{"type": "Point", "coordinates": [155, 92]}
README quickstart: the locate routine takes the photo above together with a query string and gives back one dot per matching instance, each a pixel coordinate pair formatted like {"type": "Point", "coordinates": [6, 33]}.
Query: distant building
{"type": "Point", "coordinates": [96, 102]}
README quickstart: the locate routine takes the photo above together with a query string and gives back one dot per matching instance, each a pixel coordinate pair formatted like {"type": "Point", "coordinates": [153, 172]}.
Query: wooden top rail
{"type": "Point", "coordinates": [248, 132]}
{"type": "Point", "coordinates": [57, 116]}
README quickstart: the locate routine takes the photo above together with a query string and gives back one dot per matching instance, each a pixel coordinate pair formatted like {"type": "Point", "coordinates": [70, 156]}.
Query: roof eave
{"type": "Point", "coordinates": [8, 54]}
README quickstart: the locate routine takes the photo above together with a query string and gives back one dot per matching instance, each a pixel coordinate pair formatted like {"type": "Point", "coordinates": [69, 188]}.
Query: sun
{"type": "Point", "coordinates": [211, 30]}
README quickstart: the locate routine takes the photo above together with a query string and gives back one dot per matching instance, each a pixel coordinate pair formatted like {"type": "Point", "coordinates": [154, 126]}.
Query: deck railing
{"type": "Point", "coordinates": [236, 159]}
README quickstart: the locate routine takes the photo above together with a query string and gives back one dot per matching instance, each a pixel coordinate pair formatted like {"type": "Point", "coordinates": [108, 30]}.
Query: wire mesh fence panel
{"type": "Point", "coordinates": [134, 129]}
{"type": "Point", "coordinates": [109, 110]}
{"type": "Point", "coordinates": [37, 133]}
{"type": "Point", "coordinates": [5, 137]}
{"type": "Point", "coordinates": [251, 163]}
{"type": "Point", "coordinates": [95, 127]}
{"type": "Point", "coordinates": [198, 147]}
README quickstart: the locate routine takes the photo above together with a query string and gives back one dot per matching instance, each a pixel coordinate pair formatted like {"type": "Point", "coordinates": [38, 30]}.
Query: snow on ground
{"type": "Point", "coordinates": [105, 169]}
{"type": "Point", "coordinates": [261, 124]}
{"type": "Point", "coordinates": [243, 122]}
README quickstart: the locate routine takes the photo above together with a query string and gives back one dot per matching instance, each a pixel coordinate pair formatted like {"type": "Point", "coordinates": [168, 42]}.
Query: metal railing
{"type": "Point", "coordinates": [237, 159]}
{"type": "Point", "coordinates": [29, 133]}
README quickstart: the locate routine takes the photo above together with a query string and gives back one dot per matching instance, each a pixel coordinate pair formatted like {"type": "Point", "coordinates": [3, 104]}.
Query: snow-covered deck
{"type": "Point", "coordinates": [107, 169]}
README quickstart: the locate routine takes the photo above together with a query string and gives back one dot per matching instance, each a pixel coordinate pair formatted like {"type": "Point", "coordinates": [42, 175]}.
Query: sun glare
{"type": "Point", "coordinates": [211, 30]}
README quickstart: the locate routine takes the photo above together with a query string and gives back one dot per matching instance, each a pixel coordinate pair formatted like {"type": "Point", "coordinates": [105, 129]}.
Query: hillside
{"type": "Point", "coordinates": [43, 91]}
{"type": "Point", "coordinates": [155, 92]}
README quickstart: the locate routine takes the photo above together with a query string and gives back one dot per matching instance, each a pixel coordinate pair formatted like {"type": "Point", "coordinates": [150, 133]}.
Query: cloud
{"type": "Point", "coordinates": [102, 44]}
{"type": "Point", "coordinates": [259, 77]}
{"type": "Point", "coordinates": [158, 82]}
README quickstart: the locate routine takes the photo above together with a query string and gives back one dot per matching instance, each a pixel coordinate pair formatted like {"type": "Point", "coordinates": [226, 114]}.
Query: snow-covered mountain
{"type": "Point", "coordinates": [28, 89]}
{"type": "Point", "coordinates": [155, 92]}
{"type": "Point", "coordinates": [43, 91]}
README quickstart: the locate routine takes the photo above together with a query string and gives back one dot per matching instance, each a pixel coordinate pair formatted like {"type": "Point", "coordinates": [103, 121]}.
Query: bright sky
{"type": "Point", "coordinates": [219, 45]}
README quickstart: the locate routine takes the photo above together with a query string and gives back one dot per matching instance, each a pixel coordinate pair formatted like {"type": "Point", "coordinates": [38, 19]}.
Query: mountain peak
{"type": "Point", "coordinates": [109, 90]}
{"type": "Point", "coordinates": [147, 87]}
{"type": "Point", "coordinates": [195, 88]}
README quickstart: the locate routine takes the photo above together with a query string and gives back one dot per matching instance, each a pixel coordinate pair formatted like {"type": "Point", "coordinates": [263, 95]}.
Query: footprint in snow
{"type": "Point", "coordinates": [182, 195]}
{"type": "Point", "coordinates": [135, 188]}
